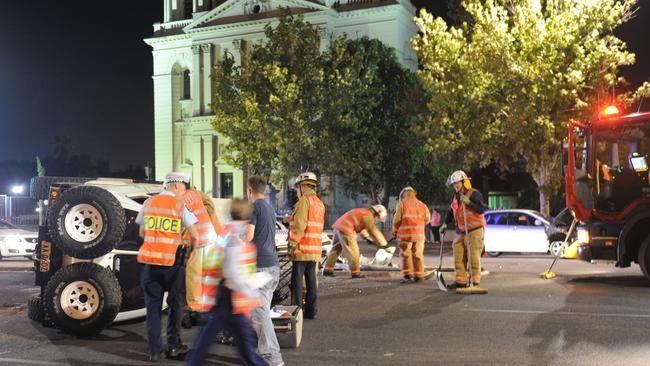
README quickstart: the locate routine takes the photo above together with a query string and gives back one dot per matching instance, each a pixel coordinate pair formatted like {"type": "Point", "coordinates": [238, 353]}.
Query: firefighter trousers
{"type": "Point", "coordinates": [475, 238]}
{"type": "Point", "coordinates": [411, 254]}
{"type": "Point", "coordinates": [342, 242]}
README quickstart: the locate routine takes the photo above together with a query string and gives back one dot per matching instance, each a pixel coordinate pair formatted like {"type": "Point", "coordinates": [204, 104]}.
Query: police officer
{"type": "Point", "coordinates": [162, 220]}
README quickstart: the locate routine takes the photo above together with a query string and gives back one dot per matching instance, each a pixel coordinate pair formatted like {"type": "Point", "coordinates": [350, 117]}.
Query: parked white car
{"type": "Point", "coordinates": [517, 230]}
{"type": "Point", "coordinates": [16, 242]}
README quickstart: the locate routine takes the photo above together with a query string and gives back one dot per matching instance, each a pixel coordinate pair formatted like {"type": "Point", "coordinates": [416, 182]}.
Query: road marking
{"type": "Point", "coordinates": [29, 362]}
{"type": "Point", "coordinates": [537, 312]}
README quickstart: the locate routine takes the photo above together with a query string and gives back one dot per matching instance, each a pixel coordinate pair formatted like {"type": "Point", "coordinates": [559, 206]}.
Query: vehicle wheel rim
{"type": "Point", "coordinates": [79, 300]}
{"type": "Point", "coordinates": [84, 223]}
{"type": "Point", "coordinates": [555, 247]}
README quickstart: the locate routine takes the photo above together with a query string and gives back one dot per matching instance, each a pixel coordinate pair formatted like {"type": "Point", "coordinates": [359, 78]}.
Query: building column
{"type": "Point", "coordinates": [206, 50]}
{"type": "Point", "coordinates": [163, 125]}
{"type": "Point", "coordinates": [195, 80]}
{"type": "Point", "coordinates": [207, 165]}
{"type": "Point", "coordinates": [196, 161]}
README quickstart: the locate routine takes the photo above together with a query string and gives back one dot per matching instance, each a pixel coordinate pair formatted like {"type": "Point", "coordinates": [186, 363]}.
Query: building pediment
{"type": "Point", "coordinates": [235, 11]}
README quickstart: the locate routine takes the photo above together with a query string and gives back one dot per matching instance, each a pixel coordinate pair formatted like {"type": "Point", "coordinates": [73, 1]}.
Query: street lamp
{"type": "Point", "coordinates": [18, 189]}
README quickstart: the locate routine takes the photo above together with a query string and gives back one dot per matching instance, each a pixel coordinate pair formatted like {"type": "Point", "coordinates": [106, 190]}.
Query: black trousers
{"type": "Point", "coordinates": [155, 281]}
{"type": "Point", "coordinates": [306, 270]}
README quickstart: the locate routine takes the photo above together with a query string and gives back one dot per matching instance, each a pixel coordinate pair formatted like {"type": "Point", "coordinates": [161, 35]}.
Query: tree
{"type": "Point", "coordinates": [269, 108]}
{"type": "Point", "coordinates": [371, 104]}
{"type": "Point", "coordinates": [503, 85]}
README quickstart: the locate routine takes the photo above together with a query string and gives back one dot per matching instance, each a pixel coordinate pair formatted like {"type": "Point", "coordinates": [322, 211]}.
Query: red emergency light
{"type": "Point", "coordinates": [609, 112]}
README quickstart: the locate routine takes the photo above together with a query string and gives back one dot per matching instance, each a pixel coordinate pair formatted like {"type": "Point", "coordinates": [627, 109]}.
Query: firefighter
{"type": "Point", "coordinates": [305, 243]}
{"type": "Point", "coordinates": [161, 221]}
{"type": "Point", "coordinates": [356, 221]}
{"type": "Point", "coordinates": [411, 217]}
{"type": "Point", "coordinates": [470, 222]}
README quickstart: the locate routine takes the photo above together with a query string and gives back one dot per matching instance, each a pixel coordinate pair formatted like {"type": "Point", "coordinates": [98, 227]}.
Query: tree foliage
{"type": "Point", "coordinates": [347, 111]}
{"type": "Point", "coordinates": [503, 85]}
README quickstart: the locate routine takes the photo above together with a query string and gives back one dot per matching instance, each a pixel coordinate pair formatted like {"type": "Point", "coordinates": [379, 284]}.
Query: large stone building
{"type": "Point", "coordinates": [195, 34]}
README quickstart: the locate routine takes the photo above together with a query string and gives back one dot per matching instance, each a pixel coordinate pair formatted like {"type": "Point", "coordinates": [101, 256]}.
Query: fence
{"type": "Point", "coordinates": [18, 210]}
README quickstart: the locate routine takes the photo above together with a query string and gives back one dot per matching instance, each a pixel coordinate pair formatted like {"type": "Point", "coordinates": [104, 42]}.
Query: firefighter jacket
{"type": "Point", "coordinates": [411, 216]}
{"type": "Point", "coordinates": [474, 211]}
{"type": "Point", "coordinates": [356, 221]}
{"type": "Point", "coordinates": [193, 201]}
{"type": "Point", "coordinates": [306, 227]}
{"type": "Point", "coordinates": [162, 215]}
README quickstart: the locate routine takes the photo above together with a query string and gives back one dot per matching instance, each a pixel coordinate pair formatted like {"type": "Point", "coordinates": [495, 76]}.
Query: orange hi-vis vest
{"type": "Point", "coordinates": [242, 303]}
{"type": "Point", "coordinates": [162, 230]}
{"type": "Point", "coordinates": [212, 275]}
{"type": "Point", "coordinates": [311, 241]}
{"type": "Point", "coordinates": [474, 220]}
{"type": "Point", "coordinates": [351, 223]}
{"type": "Point", "coordinates": [414, 218]}
{"type": "Point", "coordinates": [204, 225]}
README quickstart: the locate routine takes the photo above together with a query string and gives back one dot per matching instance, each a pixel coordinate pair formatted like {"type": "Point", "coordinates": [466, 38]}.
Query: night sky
{"type": "Point", "coordinates": [80, 69]}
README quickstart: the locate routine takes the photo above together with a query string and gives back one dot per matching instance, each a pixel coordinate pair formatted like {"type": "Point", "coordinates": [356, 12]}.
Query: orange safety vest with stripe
{"type": "Point", "coordinates": [414, 218]}
{"type": "Point", "coordinates": [212, 275]}
{"type": "Point", "coordinates": [162, 230]}
{"type": "Point", "coordinates": [311, 241]}
{"type": "Point", "coordinates": [474, 220]}
{"type": "Point", "coordinates": [204, 225]}
{"type": "Point", "coordinates": [351, 223]}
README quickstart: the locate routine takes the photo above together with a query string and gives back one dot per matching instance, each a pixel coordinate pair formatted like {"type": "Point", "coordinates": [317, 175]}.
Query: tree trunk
{"type": "Point", "coordinates": [386, 197]}
{"type": "Point", "coordinates": [542, 179]}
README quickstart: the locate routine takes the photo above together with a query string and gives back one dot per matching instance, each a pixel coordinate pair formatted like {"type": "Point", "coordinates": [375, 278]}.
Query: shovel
{"type": "Point", "coordinates": [439, 279]}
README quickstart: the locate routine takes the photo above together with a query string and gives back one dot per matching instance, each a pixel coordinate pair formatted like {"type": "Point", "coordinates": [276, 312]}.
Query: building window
{"type": "Point", "coordinates": [226, 185]}
{"type": "Point", "coordinates": [186, 85]}
{"type": "Point", "coordinates": [188, 9]}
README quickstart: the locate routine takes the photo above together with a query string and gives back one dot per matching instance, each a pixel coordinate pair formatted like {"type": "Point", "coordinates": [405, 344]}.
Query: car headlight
{"type": "Point", "coordinates": [11, 239]}
{"type": "Point", "coordinates": [583, 235]}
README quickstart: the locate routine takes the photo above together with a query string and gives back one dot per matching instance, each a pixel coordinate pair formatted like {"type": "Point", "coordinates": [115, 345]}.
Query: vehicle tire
{"type": "Point", "coordinates": [35, 308]}
{"type": "Point", "coordinates": [39, 187]}
{"type": "Point", "coordinates": [555, 246]}
{"type": "Point", "coordinates": [644, 258]}
{"type": "Point", "coordinates": [86, 222]}
{"type": "Point", "coordinates": [83, 298]}
{"type": "Point", "coordinates": [494, 254]}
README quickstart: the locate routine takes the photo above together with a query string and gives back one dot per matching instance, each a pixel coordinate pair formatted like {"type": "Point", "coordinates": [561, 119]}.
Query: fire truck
{"type": "Point", "coordinates": [607, 187]}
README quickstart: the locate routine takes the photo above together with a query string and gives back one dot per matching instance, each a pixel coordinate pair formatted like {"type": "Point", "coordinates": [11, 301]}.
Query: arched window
{"type": "Point", "coordinates": [186, 85]}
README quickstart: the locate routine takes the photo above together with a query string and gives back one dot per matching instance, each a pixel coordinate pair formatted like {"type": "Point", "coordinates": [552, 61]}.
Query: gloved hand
{"type": "Point", "coordinates": [370, 240]}
{"type": "Point", "coordinates": [292, 248]}
{"type": "Point", "coordinates": [465, 199]}
{"type": "Point", "coordinates": [442, 229]}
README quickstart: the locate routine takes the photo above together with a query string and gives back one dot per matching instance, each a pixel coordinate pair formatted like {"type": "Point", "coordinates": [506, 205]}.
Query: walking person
{"type": "Point", "coordinates": [356, 221]}
{"type": "Point", "coordinates": [162, 220]}
{"type": "Point", "coordinates": [434, 226]}
{"type": "Point", "coordinates": [261, 232]}
{"type": "Point", "coordinates": [471, 222]}
{"type": "Point", "coordinates": [305, 243]}
{"type": "Point", "coordinates": [411, 216]}
{"type": "Point", "coordinates": [236, 295]}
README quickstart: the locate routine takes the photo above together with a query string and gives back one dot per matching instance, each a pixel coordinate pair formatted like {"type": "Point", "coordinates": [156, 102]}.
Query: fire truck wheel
{"type": "Point", "coordinates": [35, 308]}
{"type": "Point", "coordinates": [83, 298]}
{"type": "Point", "coordinates": [644, 258]}
{"type": "Point", "coordinates": [86, 222]}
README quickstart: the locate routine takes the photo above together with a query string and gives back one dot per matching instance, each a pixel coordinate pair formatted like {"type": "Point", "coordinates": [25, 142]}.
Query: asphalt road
{"type": "Point", "coordinates": [588, 315]}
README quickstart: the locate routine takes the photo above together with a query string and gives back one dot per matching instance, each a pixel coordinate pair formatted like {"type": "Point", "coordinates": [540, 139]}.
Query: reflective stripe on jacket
{"type": "Point", "coordinates": [474, 220]}
{"type": "Point", "coordinates": [241, 302]}
{"type": "Point", "coordinates": [351, 223]}
{"type": "Point", "coordinates": [162, 230]}
{"type": "Point", "coordinates": [311, 240]}
{"type": "Point", "coordinates": [414, 218]}
{"type": "Point", "coordinates": [207, 233]}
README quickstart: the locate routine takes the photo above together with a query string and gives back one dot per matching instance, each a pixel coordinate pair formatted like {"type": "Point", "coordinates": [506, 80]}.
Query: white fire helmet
{"type": "Point", "coordinates": [457, 176]}
{"type": "Point", "coordinates": [381, 212]}
{"type": "Point", "coordinates": [306, 177]}
{"type": "Point", "coordinates": [406, 189]}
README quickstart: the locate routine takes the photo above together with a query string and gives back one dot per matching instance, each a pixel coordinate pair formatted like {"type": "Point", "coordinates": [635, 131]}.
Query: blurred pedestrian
{"type": "Point", "coordinates": [236, 294]}
{"type": "Point", "coordinates": [434, 226]}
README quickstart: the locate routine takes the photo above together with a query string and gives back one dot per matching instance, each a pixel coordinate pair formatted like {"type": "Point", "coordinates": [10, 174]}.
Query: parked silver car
{"type": "Point", "coordinates": [16, 242]}
{"type": "Point", "coordinates": [518, 230]}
